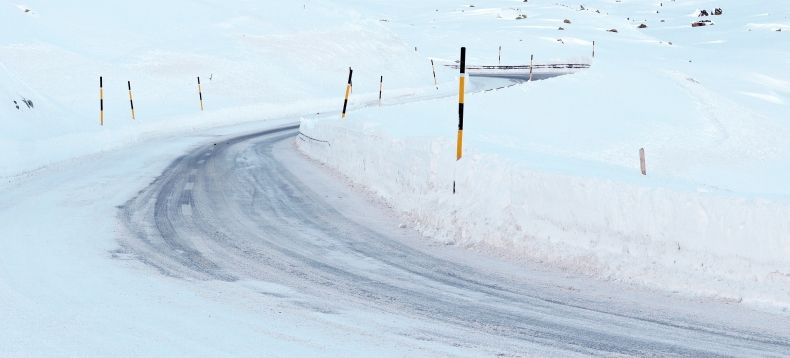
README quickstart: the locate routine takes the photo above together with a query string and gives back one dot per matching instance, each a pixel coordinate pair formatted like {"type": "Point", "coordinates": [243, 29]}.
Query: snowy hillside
{"type": "Point", "coordinates": [551, 168]}
{"type": "Point", "coordinates": [256, 60]}
{"type": "Point", "coordinates": [266, 225]}
{"type": "Point", "coordinates": [709, 105]}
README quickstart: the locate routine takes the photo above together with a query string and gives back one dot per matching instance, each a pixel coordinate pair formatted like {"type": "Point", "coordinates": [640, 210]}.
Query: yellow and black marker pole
{"type": "Point", "coordinates": [131, 99]}
{"type": "Point", "coordinates": [435, 83]}
{"type": "Point", "coordinates": [200, 93]}
{"type": "Point", "coordinates": [101, 101]}
{"type": "Point", "coordinates": [348, 91]}
{"type": "Point", "coordinates": [381, 87]}
{"type": "Point", "coordinates": [461, 84]}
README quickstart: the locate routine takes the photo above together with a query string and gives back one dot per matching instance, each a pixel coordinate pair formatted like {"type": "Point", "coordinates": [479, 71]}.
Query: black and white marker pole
{"type": "Point", "coordinates": [200, 93]}
{"type": "Point", "coordinates": [101, 101]}
{"type": "Point", "coordinates": [381, 87]}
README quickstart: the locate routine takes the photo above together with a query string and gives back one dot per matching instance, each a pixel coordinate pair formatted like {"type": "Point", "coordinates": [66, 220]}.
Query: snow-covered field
{"type": "Point", "coordinates": [549, 186]}
{"type": "Point", "coordinates": [551, 168]}
{"type": "Point", "coordinates": [255, 60]}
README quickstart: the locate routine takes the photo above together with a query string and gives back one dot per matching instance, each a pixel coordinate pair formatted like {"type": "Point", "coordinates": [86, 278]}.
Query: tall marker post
{"type": "Point", "coordinates": [381, 87]}
{"type": "Point", "coordinates": [435, 83]}
{"type": "Point", "coordinates": [348, 91]}
{"type": "Point", "coordinates": [200, 93]}
{"type": "Point", "coordinates": [101, 101]}
{"type": "Point", "coordinates": [131, 99]}
{"type": "Point", "coordinates": [593, 49]}
{"type": "Point", "coordinates": [461, 85]}
{"type": "Point", "coordinates": [499, 59]}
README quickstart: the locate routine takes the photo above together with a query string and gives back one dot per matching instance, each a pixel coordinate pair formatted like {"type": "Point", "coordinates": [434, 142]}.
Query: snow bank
{"type": "Point", "coordinates": [697, 243]}
{"type": "Point", "coordinates": [551, 170]}
{"type": "Point", "coordinates": [558, 156]}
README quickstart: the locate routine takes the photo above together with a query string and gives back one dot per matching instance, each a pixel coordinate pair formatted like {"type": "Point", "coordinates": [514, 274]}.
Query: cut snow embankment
{"type": "Point", "coordinates": [557, 182]}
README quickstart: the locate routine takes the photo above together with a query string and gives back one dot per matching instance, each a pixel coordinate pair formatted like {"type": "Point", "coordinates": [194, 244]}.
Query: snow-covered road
{"type": "Point", "coordinates": [250, 208]}
{"type": "Point", "coordinates": [202, 225]}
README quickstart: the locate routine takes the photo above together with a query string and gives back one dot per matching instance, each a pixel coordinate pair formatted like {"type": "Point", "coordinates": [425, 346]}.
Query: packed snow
{"type": "Point", "coordinates": [551, 168]}
{"type": "Point", "coordinates": [549, 189]}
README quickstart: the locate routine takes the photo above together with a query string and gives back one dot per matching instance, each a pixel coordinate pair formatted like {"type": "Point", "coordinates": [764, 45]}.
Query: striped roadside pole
{"type": "Point", "coordinates": [500, 55]}
{"type": "Point", "coordinates": [593, 54]}
{"type": "Point", "coordinates": [381, 87]}
{"type": "Point", "coordinates": [435, 83]}
{"type": "Point", "coordinates": [131, 99]}
{"type": "Point", "coordinates": [531, 57]}
{"type": "Point", "coordinates": [461, 85]}
{"type": "Point", "coordinates": [348, 91]}
{"type": "Point", "coordinates": [200, 93]}
{"type": "Point", "coordinates": [101, 101]}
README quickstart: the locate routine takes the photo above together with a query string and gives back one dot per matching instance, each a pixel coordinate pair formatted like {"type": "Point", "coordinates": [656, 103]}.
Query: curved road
{"type": "Point", "coordinates": [240, 209]}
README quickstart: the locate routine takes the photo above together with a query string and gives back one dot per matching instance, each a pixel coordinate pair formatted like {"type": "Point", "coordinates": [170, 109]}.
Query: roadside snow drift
{"type": "Point", "coordinates": [551, 168]}
{"type": "Point", "coordinates": [550, 178]}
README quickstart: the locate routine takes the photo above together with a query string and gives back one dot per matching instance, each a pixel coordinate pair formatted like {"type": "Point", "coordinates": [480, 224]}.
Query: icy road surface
{"type": "Point", "coordinates": [251, 209]}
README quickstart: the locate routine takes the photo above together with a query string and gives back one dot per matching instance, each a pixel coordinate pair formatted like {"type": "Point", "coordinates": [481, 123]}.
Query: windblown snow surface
{"type": "Point", "coordinates": [549, 185]}
{"type": "Point", "coordinates": [256, 61]}
{"type": "Point", "coordinates": [551, 171]}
